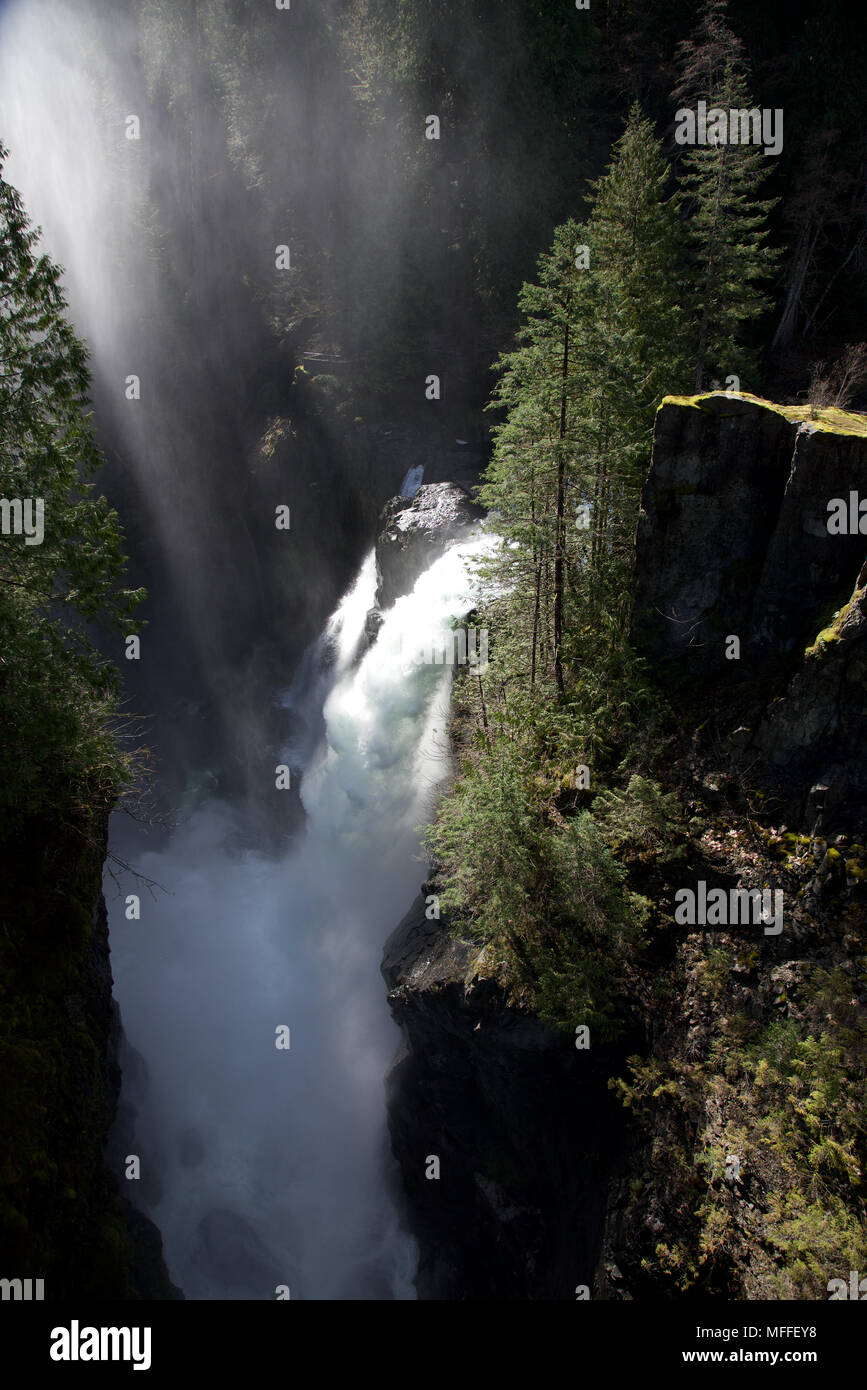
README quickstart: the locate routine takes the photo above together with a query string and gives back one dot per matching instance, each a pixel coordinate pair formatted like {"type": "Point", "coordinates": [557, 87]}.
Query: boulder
{"type": "Point", "coordinates": [413, 534]}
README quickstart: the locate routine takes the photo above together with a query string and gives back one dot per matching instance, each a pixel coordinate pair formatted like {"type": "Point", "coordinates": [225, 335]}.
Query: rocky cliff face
{"type": "Point", "coordinates": [525, 1131]}
{"type": "Point", "coordinates": [62, 1216]}
{"type": "Point", "coordinates": [545, 1182]}
{"type": "Point", "coordinates": [733, 536]}
{"type": "Point", "coordinates": [810, 740]}
{"type": "Point", "coordinates": [733, 542]}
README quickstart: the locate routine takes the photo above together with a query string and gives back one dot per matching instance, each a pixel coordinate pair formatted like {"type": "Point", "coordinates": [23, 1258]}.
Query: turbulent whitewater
{"type": "Point", "coordinates": [265, 1168]}
{"type": "Point", "coordinates": [271, 1165]}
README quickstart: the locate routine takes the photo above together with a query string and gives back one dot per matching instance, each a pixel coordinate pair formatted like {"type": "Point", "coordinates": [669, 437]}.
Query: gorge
{"type": "Point", "coordinates": [461, 897]}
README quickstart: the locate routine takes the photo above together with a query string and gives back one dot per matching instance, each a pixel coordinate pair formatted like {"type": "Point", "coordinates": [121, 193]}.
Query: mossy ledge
{"type": "Point", "coordinates": [828, 419]}
{"type": "Point", "coordinates": [832, 633]}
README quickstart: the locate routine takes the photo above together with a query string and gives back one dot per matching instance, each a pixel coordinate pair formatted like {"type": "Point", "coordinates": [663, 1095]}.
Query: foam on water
{"type": "Point", "coordinates": [274, 1164]}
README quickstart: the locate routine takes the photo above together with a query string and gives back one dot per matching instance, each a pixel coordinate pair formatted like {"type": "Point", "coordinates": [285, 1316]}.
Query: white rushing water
{"type": "Point", "coordinates": [274, 1164]}
{"type": "Point", "coordinates": [262, 1166]}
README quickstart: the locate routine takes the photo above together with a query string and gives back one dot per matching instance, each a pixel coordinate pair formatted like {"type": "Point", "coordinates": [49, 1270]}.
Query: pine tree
{"type": "Point", "coordinates": [727, 220]}
{"type": "Point", "coordinates": [55, 688]}
{"type": "Point", "coordinates": [527, 482]}
{"type": "Point", "coordinates": [602, 341]}
{"type": "Point", "coordinates": [634, 326]}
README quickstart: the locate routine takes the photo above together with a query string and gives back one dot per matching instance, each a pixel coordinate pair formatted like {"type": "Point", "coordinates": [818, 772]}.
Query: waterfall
{"type": "Point", "coordinates": [264, 1167]}
{"type": "Point", "coordinates": [273, 1163]}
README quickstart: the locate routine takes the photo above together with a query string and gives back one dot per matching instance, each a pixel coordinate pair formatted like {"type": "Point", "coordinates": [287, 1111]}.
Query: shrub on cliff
{"type": "Point", "coordinates": [544, 890]}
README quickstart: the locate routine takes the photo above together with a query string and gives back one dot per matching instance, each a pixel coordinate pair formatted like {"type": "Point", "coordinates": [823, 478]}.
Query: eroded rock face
{"type": "Point", "coordinates": [149, 1275]}
{"type": "Point", "coordinates": [814, 736]}
{"type": "Point", "coordinates": [733, 536]}
{"type": "Point", "coordinates": [413, 534]}
{"type": "Point", "coordinates": [733, 540]}
{"type": "Point", "coordinates": [525, 1130]}
{"type": "Point", "coordinates": [65, 1217]}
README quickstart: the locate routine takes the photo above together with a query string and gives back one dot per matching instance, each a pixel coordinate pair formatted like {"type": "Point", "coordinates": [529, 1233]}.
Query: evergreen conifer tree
{"type": "Point", "coordinates": [603, 339]}
{"type": "Point", "coordinates": [56, 691]}
{"type": "Point", "coordinates": [727, 220]}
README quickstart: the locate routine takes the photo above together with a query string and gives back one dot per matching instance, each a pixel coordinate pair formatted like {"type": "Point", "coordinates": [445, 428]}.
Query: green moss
{"type": "Point", "coordinates": [831, 634]}
{"type": "Point", "coordinates": [787, 1098]}
{"type": "Point", "coordinates": [788, 846]}
{"type": "Point", "coordinates": [825, 639]}
{"type": "Point", "coordinates": [826, 419]}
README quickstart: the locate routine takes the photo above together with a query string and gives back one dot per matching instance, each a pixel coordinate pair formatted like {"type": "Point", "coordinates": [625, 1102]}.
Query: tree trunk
{"type": "Point", "coordinates": [537, 567]}
{"type": "Point", "coordinates": [559, 537]}
{"type": "Point", "coordinates": [710, 268]}
{"type": "Point", "coordinates": [797, 282]}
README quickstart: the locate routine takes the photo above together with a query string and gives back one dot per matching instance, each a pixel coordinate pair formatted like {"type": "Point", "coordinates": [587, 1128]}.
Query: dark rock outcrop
{"type": "Point", "coordinates": [733, 541]}
{"type": "Point", "coordinates": [63, 1217]}
{"type": "Point", "coordinates": [148, 1275]}
{"type": "Point", "coordinates": [812, 740]}
{"type": "Point", "coordinates": [733, 536]}
{"type": "Point", "coordinates": [413, 534]}
{"type": "Point", "coordinates": [482, 1086]}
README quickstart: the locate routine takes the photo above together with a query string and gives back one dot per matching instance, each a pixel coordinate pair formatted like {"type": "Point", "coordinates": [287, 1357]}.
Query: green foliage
{"type": "Point", "coordinates": [485, 838]}
{"type": "Point", "coordinates": [61, 770]}
{"type": "Point", "coordinates": [730, 262]}
{"type": "Point", "coordinates": [814, 1112]}
{"type": "Point", "coordinates": [524, 866]}
{"type": "Point", "coordinates": [56, 693]}
{"type": "Point", "coordinates": [593, 926]}
{"type": "Point", "coordinates": [545, 890]}
{"type": "Point", "coordinates": [790, 1104]}
{"type": "Point", "coordinates": [714, 977]}
{"type": "Point", "coordinates": [598, 347]}
{"type": "Point", "coordinates": [642, 820]}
